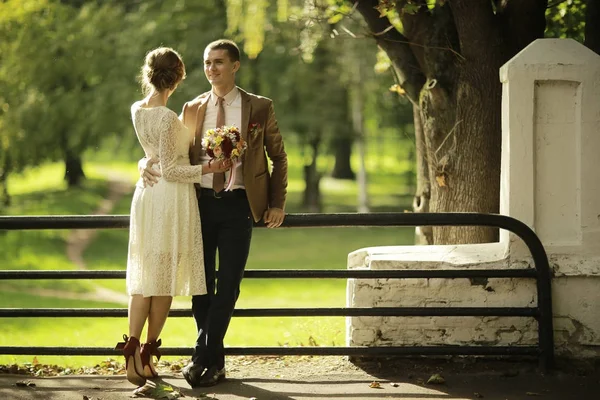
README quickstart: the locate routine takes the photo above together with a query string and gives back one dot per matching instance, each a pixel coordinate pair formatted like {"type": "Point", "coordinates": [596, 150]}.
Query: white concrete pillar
{"type": "Point", "coordinates": [551, 146]}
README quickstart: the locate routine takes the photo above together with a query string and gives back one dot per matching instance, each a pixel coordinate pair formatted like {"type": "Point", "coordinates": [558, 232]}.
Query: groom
{"type": "Point", "coordinates": [227, 217]}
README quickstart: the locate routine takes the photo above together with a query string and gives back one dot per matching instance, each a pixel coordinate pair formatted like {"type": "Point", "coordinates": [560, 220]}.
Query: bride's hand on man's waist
{"type": "Point", "coordinates": [149, 174]}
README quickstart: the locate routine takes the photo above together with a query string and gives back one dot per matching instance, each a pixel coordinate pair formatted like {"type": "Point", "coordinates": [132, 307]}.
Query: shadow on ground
{"type": "Point", "coordinates": [335, 378]}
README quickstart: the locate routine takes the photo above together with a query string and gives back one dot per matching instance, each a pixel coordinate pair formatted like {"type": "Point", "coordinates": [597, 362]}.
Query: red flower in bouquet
{"type": "Point", "coordinates": [225, 143]}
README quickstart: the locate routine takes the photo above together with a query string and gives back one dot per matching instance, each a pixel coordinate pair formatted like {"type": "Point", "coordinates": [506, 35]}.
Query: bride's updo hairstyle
{"type": "Point", "coordinates": [163, 69]}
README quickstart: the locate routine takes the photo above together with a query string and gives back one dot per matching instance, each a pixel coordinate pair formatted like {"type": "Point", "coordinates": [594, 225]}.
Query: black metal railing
{"type": "Point", "coordinates": [542, 312]}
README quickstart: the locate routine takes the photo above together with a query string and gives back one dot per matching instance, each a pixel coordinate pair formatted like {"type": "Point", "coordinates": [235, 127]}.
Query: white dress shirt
{"type": "Point", "coordinates": [233, 116]}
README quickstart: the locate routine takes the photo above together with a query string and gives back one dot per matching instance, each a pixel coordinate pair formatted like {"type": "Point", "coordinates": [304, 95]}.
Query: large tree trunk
{"type": "Point", "coordinates": [592, 27]}
{"type": "Point", "coordinates": [461, 120]}
{"type": "Point", "coordinates": [4, 195]}
{"type": "Point", "coordinates": [358, 127]}
{"type": "Point", "coordinates": [343, 150]}
{"type": "Point", "coordinates": [463, 180]}
{"type": "Point", "coordinates": [447, 61]}
{"type": "Point", "coordinates": [423, 234]}
{"type": "Point", "coordinates": [254, 76]}
{"type": "Point", "coordinates": [343, 141]}
{"type": "Point", "coordinates": [311, 201]}
{"type": "Point", "coordinates": [74, 174]}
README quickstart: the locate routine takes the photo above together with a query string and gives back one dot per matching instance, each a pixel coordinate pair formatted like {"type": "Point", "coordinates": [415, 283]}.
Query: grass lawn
{"type": "Point", "coordinates": [42, 191]}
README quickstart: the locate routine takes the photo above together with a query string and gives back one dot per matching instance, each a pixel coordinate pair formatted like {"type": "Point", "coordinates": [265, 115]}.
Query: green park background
{"type": "Point", "coordinates": [68, 75]}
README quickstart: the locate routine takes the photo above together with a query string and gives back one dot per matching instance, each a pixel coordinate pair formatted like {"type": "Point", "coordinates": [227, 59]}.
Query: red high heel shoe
{"type": "Point", "coordinates": [148, 350]}
{"type": "Point", "coordinates": [133, 361]}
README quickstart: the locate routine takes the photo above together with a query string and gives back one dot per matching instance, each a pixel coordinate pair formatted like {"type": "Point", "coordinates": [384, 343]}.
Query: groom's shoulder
{"type": "Point", "coordinates": [196, 101]}
{"type": "Point", "coordinates": [256, 98]}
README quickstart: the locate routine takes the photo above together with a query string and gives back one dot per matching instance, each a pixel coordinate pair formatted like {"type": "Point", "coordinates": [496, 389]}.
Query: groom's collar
{"type": "Point", "coordinates": [229, 97]}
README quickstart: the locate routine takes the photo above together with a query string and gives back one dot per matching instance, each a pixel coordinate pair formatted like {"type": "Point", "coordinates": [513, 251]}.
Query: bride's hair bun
{"type": "Point", "coordinates": [163, 69]}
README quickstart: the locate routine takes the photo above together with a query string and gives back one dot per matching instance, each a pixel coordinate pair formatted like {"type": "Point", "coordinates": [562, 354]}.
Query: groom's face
{"type": "Point", "coordinates": [218, 67]}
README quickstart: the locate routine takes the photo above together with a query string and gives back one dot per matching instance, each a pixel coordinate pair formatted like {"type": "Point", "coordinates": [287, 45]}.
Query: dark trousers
{"type": "Point", "coordinates": [226, 227]}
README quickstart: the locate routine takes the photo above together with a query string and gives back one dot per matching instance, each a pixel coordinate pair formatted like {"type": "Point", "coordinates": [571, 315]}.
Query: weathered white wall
{"type": "Point", "coordinates": [550, 181]}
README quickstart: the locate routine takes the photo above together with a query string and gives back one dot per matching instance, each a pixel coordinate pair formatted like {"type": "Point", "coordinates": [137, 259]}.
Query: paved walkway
{"type": "Point", "coordinates": [474, 381]}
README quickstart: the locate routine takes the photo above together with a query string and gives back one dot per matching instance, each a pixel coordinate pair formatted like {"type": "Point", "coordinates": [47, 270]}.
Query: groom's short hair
{"type": "Point", "coordinates": [225, 44]}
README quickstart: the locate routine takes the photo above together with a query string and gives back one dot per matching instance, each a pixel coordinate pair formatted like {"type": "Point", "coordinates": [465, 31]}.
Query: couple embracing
{"type": "Point", "coordinates": [189, 207]}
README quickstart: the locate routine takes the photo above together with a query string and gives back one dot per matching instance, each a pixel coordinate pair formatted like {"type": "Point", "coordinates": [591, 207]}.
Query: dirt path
{"type": "Point", "coordinates": [80, 239]}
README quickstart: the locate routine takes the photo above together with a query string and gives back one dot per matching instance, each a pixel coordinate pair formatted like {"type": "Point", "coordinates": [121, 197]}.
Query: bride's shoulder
{"type": "Point", "coordinates": [135, 106]}
{"type": "Point", "coordinates": [171, 118]}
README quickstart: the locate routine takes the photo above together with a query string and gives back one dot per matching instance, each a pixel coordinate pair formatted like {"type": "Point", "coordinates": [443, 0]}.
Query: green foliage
{"type": "Point", "coordinates": [566, 19]}
{"type": "Point", "coordinates": [68, 70]}
{"type": "Point", "coordinates": [61, 58]}
{"type": "Point", "coordinates": [311, 65]}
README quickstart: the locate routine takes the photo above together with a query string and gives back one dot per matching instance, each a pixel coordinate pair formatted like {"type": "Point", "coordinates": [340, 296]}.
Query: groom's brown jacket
{"type": "Point", "coordinates": [259, 128]}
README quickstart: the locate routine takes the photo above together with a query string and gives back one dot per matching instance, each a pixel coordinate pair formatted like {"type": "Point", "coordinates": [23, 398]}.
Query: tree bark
{"type": "Point", "coordinates": [461, 119]}
{"type": "Point", "coordinates": [74, 174]}
{"type": "Point", "coordinates": [592, 25]}
{"type": "Point", "coordinates": [521, 22]}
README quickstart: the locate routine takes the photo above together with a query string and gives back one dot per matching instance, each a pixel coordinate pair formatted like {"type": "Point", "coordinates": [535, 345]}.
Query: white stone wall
{"type": "Point", "coordinates": [435, 292]}
{"type": "Point", "coordinates": [550, 181]}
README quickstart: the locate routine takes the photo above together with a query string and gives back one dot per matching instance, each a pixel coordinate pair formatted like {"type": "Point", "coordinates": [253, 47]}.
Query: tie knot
{"type": "Point", "coordinates": [220, 100]}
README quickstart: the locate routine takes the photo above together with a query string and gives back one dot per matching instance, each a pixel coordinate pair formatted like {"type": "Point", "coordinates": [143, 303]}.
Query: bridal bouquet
{"type": "Point", "coordinates": [225, 143]}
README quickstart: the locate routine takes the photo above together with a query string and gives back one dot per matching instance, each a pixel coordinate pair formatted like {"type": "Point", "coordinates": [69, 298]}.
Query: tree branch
{"type": "Point", "coordinates": [397, 48]}
{"type": "Point", "coordinates": [416, 27]}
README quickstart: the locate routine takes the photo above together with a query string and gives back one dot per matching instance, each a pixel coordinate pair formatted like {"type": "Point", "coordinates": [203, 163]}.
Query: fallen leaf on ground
{"type": "Point", "coordinates": [532, 394]}
{"type": "Point", "coordinates": [436, 379]}
{"type": "Point", "coordinates": [158, 390]}
{"type": "Point", "coordinates": [374, 385]}
{"type": "Point", "coordinates": [478, 395]}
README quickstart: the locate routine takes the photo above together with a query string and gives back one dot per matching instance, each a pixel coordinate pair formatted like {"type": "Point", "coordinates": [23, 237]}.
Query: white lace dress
{"type": "Point", "coordinates": [165, 239]}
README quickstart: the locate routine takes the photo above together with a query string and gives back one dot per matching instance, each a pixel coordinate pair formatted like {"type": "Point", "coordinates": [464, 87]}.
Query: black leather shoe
{"type": "Point", "coordinates": [193, 374]}
{"type": "Point", "coordinates": [212, 376]}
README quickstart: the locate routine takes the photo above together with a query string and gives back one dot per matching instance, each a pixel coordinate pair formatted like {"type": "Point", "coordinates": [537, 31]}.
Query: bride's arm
{"type": "Point", "coordinates": [168, 156]}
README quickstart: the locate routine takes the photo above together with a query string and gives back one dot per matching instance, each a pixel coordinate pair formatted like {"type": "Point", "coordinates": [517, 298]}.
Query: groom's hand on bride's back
{"type": "Point", "coordinates": [149, 175]}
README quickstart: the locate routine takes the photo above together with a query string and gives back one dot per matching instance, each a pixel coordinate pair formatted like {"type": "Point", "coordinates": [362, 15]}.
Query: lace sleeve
{"type": "Point", "coordinates": [167, 153]}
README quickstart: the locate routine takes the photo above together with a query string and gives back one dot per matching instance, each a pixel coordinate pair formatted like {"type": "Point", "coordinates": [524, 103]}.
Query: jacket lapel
{"type": "Point", "coordinates": [246, 111]}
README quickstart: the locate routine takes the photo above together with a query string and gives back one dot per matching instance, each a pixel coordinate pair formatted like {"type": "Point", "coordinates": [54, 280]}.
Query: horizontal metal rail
{"type": "Point", "coordinates": [542, 312]}
{"type": "Point", "coordinates": [290, 312]}
{"type": "Point", "coordinates": [279, 274]}
{"type": "Point", "coordinates": [283, 351]}
{"type": "Point", "coordinates": [36, 222]}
